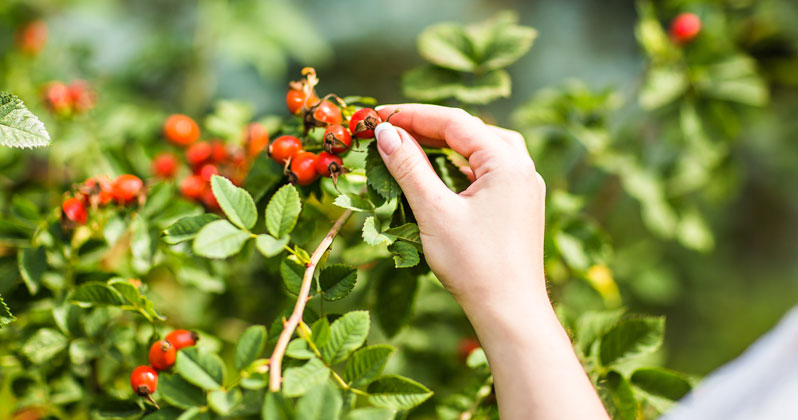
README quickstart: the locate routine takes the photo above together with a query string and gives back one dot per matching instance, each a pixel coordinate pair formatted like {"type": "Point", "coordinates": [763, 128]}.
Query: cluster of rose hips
{"type": "Point", "coordinates": [100, 191]}
{"type": "Point", "coordinates": [32, 37]}
{"type": "Point", "coordinates": [63, 99]}
{"type": "Point", "coordinates": [162, 356]}
{"type": "Point", "coordinates": [207, 158]}
{"type": "Point", "coordinates": [685, 27]}
{"type": "Point", "coordinates": [303, 167]}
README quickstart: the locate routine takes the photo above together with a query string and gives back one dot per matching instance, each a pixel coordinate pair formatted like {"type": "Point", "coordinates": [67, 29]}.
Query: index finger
{"type": "Point", "coordinates": [462, 132]}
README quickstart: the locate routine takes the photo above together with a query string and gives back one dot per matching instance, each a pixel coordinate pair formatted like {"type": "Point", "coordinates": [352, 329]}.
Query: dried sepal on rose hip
{"type": "Point", "coordinates": [301, 94]}
{"type": "Point", "coordinates": [336, 139]}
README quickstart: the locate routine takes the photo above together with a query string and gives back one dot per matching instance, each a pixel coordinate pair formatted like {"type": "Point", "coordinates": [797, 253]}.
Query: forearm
{"type": "Point", "coordinates": [535, 370]}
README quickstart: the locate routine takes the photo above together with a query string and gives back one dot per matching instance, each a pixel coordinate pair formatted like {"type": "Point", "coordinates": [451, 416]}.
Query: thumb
{"type": "Point", "coordinates": [408, 164]}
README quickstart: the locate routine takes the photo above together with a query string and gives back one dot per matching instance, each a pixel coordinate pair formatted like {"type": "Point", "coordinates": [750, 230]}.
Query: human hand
{"type": "Point", "coordinates": [486, 243]}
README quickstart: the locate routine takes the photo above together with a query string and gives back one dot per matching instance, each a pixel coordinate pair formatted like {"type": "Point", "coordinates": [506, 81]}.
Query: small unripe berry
{"type": "Point", "coordinates": [181, 130]}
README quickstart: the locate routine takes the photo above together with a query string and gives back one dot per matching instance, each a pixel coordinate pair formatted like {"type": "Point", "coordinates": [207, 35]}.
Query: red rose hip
{"type": "Point", "coordinates": [363, 122]}
{"type": "Point", "coordinates": [181, 130]}
{"type": "Point", "coordinates": [75, 210]}
{"type": "Point", "coordinates": [182, 338]}
{"type": "Point", "coordinates": [127, 188]}
{"type": "Point", "coordinates": [328, 164]}
{"type": "Point", "coordinates": [303, 168]}
{"type": "Point", "coordinates": [337, 139]}
{"type": "Point", "coordinates": [144, 380]}
{"type": "Point", "coordinates": [685, 27]}
{"type": "Point", "coordinates": [164, 165]}
{"type": "Point", "coordinates": [284, 147]}
{"type": "Point", "coordinates": [162, 355]}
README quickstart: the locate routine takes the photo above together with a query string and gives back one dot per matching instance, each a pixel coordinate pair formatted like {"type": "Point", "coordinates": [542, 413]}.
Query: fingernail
{"type": "Point", "coordinates": [379, 107]}
{"type": "Point", "coordinates": [388, 139]}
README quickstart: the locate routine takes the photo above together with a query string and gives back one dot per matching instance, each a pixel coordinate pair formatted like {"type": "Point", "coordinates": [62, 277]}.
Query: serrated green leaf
{"type": "Point", "coordinates": [631, 337]}
{"type": "Point", "coordinates": [165, 413]}
{"type": "Point", "coordinates": [270, 246]}
{"type": "Point", "coordinates": [370, 413]}
{"type": "Point", "coordinates": [186, 228]}
{"type": "Point", "coordinates": [661, 382]}
{"type": "Point", "coordinates": [321, 402]}
{"type": "Point", "coordinates": [447, 45]}
{"type": "Point", "coordinates": [434, 84]}
{"type": "Point", "coordinates": [219, 239]}
{"type": "Point", "coordinates": [18, 126]}
{"type": "Point", "coordinates": [366, 364]}
{"type": "Point", "coordinates": [179, 393]}
{"type": "Point", "coordinates": [354, 202]}
{"type": "Point", "coordinates": [97, 293]}
{"type": "Point", "coordinates": [618, 396]}
{"type": "Point", "coordinates": [282, 211]}
{"type": "Point", "coordinates": [372, 234]}
{"type": "Point", "coordinates": [320, 332]}
{"type": "Point", "coordinates": [224, 401]}
{"type": "Point", "coordinates": [43, 345]}
{"type": "Point", "coordinates": [134, 297]}
{"type": "Point", "coordinates": [337, 281]}
{"type": "Point", "coordinates": [206, 370]}
{"type": "Point", "coordinates": [593, 324]}
{"type": "Point", "coordinates": [408, 232]}
{"type": "Point", "coordinates": [500, 41]}
{"type": "Point", "coordinates": [6, 317]}
{"type": "Point", "coordinates": [395, 297]}
{"type": "Point", "coordinates": [250, 345]}
{"type": "Point", "coordinates": [32, 265]}
{"type": "Point", "coordinates": [379, 178]}
{"type": "Point", "coordinates": [263, 176]}
{"type": "Point", "coordinates": [276, 407]}
{"type": "Point", "coordinates": [236, 203]}
{"type": "Point", "coordinates": [404, 254]}
{"type": "Point", "coordinates": [291, 273]}
{"type": "Point", "coordinates": [298, 380]}
{"type": "Point", "coordinates": [347, 333]}
{"type": "Point", "coordinates": [450, 174]}
{"type": "Point", "coordinates": [397, 393]}
{"type": "Point", "coordinates": [298, 349]}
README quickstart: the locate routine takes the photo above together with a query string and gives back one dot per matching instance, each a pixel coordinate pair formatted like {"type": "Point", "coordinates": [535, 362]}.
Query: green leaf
{"type": "Point", "coordinates": [219, 239]}
{"type": "Point", "coordinates": [337, 281]}
{"type": "Point", "coordinates": [206, 370]}
{"type": "Point", "coordinates": [661, 382]}
{"type": "Point", "coordinates": [282, 211]}
{"type": "Point", "coordinates": [370, 413]}
{"type": "Point", "coordinates": [32, 266]}
{"type": "Point", "coordinates": [408, 232]}
{"type": "Point", "coordinates": [372, 234]}
{"type": "Point", "coordinates": [734, 78]}
{"type": "Point", "coordinates": [140, 244]}
{"type": "Point", "coordinates": [236, 203]}
{"type": "Point", "coordinates": [395, 297]}
{"type": "Point", "coordinates": [134, 297]}
{"type": "Point", "coordinates": [379, 179]}
{"type": "Point", "coordinates": [662, 86]}
{"type": "Point", "coordinates": [434, 84]}
{"type": "Point", "coordinates": [270, 246]}
{"type": "Point", "coordinates": [347, 333]}
{"type": "Point", "coordinates": [250, 345]}
{"type": "Point", "coordinates": [292, 273]}
{"type": "Point", "coordinates": [499, 41]}
{"type": "Point", "coordinates": [179, 393]}
{"type": "Point", "coordinates": [186, 228]}
{"type": "Point", "coordinates": [298, 380]}
{"type": "Point", "coordinates": [43, 345]}
{"type": "Point", "coordinates": [397, 393]}
{"type": "Point", "coordinates": [195, 413]}
{"type": "Point", "coordinates": [694, 233]}
{"type": "Point", "coordinates": [366, 364]}
{"type": "Point", "coordinates": [298, 349]}
{"type": "Point", "coordinates": [229, 119]}
{"type": "Point", "coordinates": [5, 314]}
{"type": "Point", "coordinates": [593, 324]}
{"type": "Point", "coordinates": [223, 402]}
{"type": "Point", "coordinates": [320, 332]}
{"type": "Point", "coordinates": [18, 126]}
{"type": "Point", "coordinates": [354, 202]}
{"type": "Point", "coordinates": [404, 254]}
{"type": "Point", "coordinates": [276, 407]}
{"type": "Point", "coordinates": [447, 45]}
{"type": "Point", "coordinates": [321, 402]}
{"type": "Point", "coordinates": [165, 413]}
{"type": "Point", "coordinates": [618, 397]}
{"type": "Point", "coordinates": [97, 293]}
{"type": "Point", "coordinates": [631, 337]}
{"type": "Point", "coordinates": [450, 174]}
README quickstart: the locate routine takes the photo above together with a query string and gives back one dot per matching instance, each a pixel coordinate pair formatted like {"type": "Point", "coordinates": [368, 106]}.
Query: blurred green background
{"type": "Point", "coordinates": [181, 56]}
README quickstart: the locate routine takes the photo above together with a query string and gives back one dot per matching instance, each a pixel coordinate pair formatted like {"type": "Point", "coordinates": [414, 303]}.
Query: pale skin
{"type": "Point", "coordinates": [486, 247]}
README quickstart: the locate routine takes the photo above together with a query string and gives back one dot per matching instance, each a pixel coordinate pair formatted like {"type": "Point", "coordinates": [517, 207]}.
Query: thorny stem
{"type": "Point", "coordinates": [276, 360]}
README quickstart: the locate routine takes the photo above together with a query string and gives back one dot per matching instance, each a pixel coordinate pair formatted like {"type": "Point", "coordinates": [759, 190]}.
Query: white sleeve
{"type": "Point", "coordinates": [761, 384]}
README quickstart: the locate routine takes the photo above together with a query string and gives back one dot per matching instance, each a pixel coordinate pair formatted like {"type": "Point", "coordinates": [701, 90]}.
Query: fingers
{"type": "Point", "coordinates": [513, 138]}
{"type": "Point", "coordinates": [409, 166]}
{"type": "Point", "coordinates": [462, 132]}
